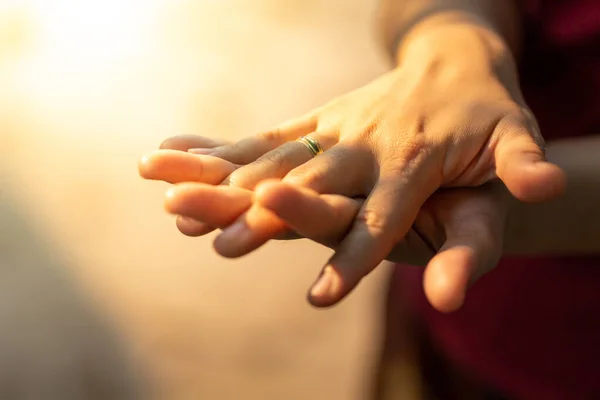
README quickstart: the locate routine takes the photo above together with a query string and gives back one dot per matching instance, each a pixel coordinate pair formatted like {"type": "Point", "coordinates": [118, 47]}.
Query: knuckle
{"type": "Point", "coordinates": [238, 178]}
{"type": "Point", "coordinates": [367, 130]}
{"type": "Point", "coordinates": [315, 177]}
{"type": "Point", "coordinates": [415, 148]}
{"type": "Point", "coordinates": [269, 165]}
{"type": "Point", "coordinates": [373, 220]}
{"type": "Point", "coordinates": [407, 159]}
{"type": "Point", "coordinates": [408, 141]}
{"type": "Point", "coordinates": [518, 122]}
{"type": "Point", "coordinates": [272, 135]}
{"type": "Point", "coordinates": [276, 158]}
{"type": "Point", "coordinates": [303, 178]}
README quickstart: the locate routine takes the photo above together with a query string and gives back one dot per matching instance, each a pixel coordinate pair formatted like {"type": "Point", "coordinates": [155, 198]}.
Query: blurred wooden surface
{"type": "Point", "coordinates": [88, 87]}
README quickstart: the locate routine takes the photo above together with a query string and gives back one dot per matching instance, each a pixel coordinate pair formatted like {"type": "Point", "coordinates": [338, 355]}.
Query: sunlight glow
{"type": "Point", "coordinates": [78, 46]}
{"type": "Point", "coordinates": [92, 33]}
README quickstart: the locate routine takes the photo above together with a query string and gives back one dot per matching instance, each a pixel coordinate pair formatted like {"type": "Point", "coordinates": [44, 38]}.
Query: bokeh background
{"type": "Point", "coordinates": [97, 283]}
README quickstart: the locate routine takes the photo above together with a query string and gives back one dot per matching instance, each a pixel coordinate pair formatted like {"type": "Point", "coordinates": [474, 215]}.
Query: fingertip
{"type": "Point", "coordinates": [176, 199]}
{"type": "Point", "coordinates": [249, 232]}
{"type": "Point", "coordinates": [181, 142]}
{"type": "Point", "coordinates": [170, 143]}
{"type": "Point", "coordinates": [171, 203]}
{"type": "Point", "coordinates": [327, 290]}
{"type": "Point", "coordinates": [230, 241]}
{"type": "Point", "coordinates": [191, 227]}
{"type": "Point", "coordinates": [143, 164]}
{"type": "Point", "coordinates": [224, 249]}
{"type": "Point", "coordinates": [536, 181]}
{"type": "Point", "coordinates": [186, 142]}
{"type": "Point", "coordinates": [446, 278]}
{"type": "Point", "coordinates": [157, 165]}
{"type": "Point", "coordinates": [319, 302]}
{"type": "Point", "coordinates": [151, 163]}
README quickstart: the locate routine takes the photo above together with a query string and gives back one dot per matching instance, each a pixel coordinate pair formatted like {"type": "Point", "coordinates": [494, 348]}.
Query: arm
{"type": "Point", "coordinates": [571, 223]}
{"type": "Point", "coordinates": [402, 20]}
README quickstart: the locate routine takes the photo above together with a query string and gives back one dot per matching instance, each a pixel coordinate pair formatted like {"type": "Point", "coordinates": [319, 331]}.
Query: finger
{"type": "Point", "coordinates": [277, 162]}
{"type": "Point", "coordinates": [249, 149]}
{"type": "Point", "coordinates": [473, 248]}
{"type": "Point", "coordinates": [245, 227]}
{"type": "Point", "coordinates": [321, 218]}
{"type": "Point", "coordinates": [326, 219]}
{"type": "Point", "coordinates": [250, 231]}
{"type": "Point", "coordinates": [191, 227]}
{"type": "Point", "coordinates": [522, 166]}
{"type": "Point", "coordinates": [186, 142]}
{"type": "Point", "coordinates": [343, 170]}
{"type": "Point", "coordinates": [288, 235]}
{"type": "Point", "coordinates": [176, 166]}
{"type": "Point", "coordinates": [384, 219]}
{"type": "Point", "coordinates": [213, 205]}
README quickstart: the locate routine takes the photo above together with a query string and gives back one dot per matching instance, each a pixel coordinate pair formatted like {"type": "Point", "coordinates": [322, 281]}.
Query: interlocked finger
{"type": "Point", "coordinates": [249, 149]}
{"type": "Point", "coordinates": [385, 218]}
{"type": "Point", "coordinates": [186, 142]}
{"type": "Point", "coordinates": [278, 162]}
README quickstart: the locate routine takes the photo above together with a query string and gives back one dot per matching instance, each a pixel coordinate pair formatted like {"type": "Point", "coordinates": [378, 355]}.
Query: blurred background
{"type": "Point", "coordinates": [100, 296]}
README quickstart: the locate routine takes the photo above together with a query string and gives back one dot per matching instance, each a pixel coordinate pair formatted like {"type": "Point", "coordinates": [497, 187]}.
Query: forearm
{"type": "Point", "coordinates": [571, 223]}
{"type": "Point", "coordinates": [402, 20]}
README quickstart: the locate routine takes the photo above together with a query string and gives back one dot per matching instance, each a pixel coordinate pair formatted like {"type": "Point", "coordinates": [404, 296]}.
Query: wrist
{"type": "Point", "coordinates": [459, 38]}
{"type": "Point", "coordinates": [460, 49]}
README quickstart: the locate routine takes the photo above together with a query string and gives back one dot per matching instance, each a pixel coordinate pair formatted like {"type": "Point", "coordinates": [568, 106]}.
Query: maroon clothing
{"type": "Point", "coordinates": [531, 328]}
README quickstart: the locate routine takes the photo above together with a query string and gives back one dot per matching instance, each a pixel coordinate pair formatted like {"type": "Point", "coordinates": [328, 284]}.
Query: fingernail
{"type": "Point", "coordinates": [188, 220]}
{"type": "Point", "coordinates": [238, 231]}
{"type": "Point", "coordinates": [325, 284]}
{"type": "Point", "coordinates": [200, 151]}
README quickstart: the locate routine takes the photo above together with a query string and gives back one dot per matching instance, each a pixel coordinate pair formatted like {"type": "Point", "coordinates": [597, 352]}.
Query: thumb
{"type": "Point", "coordinates": [472, 249]}
{"type": "Point", "coordinates": [521, 164]}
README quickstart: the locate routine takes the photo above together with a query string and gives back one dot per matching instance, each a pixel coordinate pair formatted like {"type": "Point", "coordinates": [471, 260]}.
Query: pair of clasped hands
{"type": "Point", "coordinates": [420, 167]}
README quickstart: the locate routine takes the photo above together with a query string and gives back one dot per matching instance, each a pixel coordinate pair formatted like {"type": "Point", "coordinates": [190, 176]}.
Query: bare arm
{"type": "Point", "coordinates": [571, 223]}
{"type": "Point", "coordinates": [402, 20]}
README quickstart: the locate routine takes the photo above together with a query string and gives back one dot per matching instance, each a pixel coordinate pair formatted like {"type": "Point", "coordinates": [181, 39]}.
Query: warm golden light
{"type": "Point", "coordinates": [90, 31]}
{"type": "Point", "coordinates": [86, 88]}
{"type": "Point", "coordinates": [80, 41]}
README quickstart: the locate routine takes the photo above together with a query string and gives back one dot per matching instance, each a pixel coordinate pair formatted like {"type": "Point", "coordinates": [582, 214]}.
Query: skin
{"type": "Point", "coordinates": [466, 229]}
{"type": "Point", "coordinates": [461, 226]}
{"type": "Point", "coordinates": [440, 119]}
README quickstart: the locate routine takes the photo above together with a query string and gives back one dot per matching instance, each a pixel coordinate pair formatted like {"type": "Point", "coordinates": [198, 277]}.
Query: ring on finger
{"type": "Point", "coordinates": [312, 144]}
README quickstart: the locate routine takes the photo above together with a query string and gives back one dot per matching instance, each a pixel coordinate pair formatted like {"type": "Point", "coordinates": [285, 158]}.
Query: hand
{"type": "Point", "coordinates": [458, 235]}
{"type": "Point", "coordinates": [458, 232]}
{"type": "Point", "coordinates": [438, 120]}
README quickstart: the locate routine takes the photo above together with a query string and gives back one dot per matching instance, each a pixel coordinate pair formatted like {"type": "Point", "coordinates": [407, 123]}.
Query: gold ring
{"type": "Point", "coordinates": [312, 144]}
